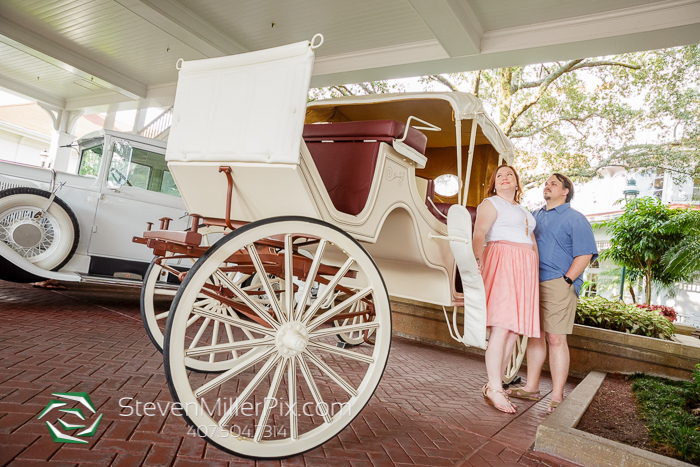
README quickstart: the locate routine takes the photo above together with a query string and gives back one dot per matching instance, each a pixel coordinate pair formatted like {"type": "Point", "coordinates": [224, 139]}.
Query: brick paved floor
{"type": "Point", "coordinates": [428, 409]}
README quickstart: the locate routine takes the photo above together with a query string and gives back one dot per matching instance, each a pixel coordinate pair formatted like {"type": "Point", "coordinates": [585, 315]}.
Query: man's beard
{"type": "Point", "coordinates": [546, 196]}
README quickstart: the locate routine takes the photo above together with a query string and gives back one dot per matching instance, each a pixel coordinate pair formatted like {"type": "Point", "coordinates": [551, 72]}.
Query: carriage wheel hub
{"type": "Point", "coordinates": [292, 339]}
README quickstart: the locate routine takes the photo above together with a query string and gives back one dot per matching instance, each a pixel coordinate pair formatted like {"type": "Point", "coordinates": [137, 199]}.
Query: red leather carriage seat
{"type": "Point", "coordinates": [385, 131]}
{"type": "Point", "coordinates": [345, 155]}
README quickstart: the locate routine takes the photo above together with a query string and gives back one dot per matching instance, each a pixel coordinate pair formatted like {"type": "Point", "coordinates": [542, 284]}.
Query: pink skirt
{"type": "Point", "coordinates": [511, 280]}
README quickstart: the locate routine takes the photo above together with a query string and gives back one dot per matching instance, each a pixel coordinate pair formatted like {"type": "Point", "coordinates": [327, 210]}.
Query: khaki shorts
{"type": "Point", "coordinates": [558, 303]}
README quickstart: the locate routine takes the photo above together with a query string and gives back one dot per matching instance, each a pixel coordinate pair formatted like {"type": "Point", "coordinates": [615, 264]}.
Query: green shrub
{"type": "Point", "coordinates": [667, 406]}
{"type": "Point", "coordinates": [616, 316]}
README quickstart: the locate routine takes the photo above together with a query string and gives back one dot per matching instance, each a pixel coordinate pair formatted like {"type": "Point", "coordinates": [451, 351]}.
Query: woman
{"type": "Point", "coordinates": [509, 267]}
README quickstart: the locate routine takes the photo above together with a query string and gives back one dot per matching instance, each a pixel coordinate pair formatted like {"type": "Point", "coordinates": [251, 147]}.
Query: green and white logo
{"type": "Point", "coordinates": [57, 435]}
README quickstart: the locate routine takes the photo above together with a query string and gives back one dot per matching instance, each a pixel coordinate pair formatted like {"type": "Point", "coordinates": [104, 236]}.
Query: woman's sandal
{"type": "Point", "coordinates": [487, 399]}
{"type": "Point", "coordinates": [552, 405]}
{"type": "Point", "coordinates": [520, 393]}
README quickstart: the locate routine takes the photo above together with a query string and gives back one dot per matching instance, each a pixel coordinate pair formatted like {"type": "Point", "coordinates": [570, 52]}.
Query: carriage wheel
{"type": "Point", "coordinates": [515, 360]}
{"type": "Point", "coordinates": [157, 294]}
{"type": "Point", "coordinates": [290, 388]}
{"type": "Point", "coordinates": [356, 337]}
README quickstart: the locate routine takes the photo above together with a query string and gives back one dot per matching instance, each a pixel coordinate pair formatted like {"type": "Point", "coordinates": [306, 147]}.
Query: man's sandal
{"type": "Point", "coordinates": [552, 405]}
{"type": "Point", "coordinates": [520, 393]}
{"type": "Point", "coordinates": [505, 409]}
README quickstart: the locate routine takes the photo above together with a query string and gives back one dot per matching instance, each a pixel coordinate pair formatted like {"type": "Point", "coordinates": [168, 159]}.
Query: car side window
{"type": "Point", "coordinates": [149, 171]}
{"type": "Point", "coordinates": [90, 159]}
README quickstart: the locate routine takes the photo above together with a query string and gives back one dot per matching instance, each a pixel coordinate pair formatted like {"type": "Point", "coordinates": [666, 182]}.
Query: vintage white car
{"type": "Point", "coordinates": [78, 226]}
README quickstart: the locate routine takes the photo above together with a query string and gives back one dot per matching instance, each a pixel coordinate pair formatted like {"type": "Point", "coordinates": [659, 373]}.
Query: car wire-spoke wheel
{"type": "Point", "coordinates": [288, 388]}
{"type": "Point", "coordinates": [31, 233]}
{"type": "Point", "coordinates": [46, 238]}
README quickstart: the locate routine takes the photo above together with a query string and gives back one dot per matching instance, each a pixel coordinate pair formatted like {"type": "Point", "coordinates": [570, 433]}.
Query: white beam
{"type": "Point", "coordinates": [660, 25]}
{"type": "Point", "coordinates": [662, 15]}
{"type": "Point", "coordinates": [184, 25]}
{"type": "Point", "coordinates": [160, 95]}
{"type": "Point", "coordinates": [51, 52]}
{"type": "Point", "coordinates": [454, 24]}
{"type": "Point", "coordinates": [31, 93]}
{"type": "Point", "coordinates": [415, 52]}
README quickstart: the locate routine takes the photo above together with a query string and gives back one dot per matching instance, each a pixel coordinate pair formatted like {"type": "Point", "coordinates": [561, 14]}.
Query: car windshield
{"type": "Point", "coordinates": [90, 158]}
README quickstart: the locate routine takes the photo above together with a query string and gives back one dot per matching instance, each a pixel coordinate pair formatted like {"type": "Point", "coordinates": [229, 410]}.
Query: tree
{"type": "Point", "coordinates": [356, 89]}
{"type": "Point", "coordinates": [642, 236]}
{"type": "Point", "coordinates": [637, 111]}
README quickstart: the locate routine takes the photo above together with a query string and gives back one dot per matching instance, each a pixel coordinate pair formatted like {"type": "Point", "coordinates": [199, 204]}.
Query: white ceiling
{"type": "Point", "coordinates": [95, 53]}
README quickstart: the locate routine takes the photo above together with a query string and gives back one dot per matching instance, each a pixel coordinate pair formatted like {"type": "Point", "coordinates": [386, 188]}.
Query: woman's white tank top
{"type": "Point", "coordinates": [514, 223]}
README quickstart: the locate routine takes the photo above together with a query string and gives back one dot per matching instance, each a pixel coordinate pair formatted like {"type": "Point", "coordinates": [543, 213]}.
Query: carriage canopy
{"type": "Point", "coordinates": [459, 115]}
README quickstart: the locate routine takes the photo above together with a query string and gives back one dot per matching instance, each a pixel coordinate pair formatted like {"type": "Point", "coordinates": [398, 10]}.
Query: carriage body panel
{"type": "Point", "coordinates": [393, 227]}
{"type": "Point", "coordinates": [260, 190]}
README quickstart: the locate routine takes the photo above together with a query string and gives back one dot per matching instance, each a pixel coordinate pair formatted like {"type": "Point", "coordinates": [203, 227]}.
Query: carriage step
{"type": "Point", "coordinates": [175, 236]}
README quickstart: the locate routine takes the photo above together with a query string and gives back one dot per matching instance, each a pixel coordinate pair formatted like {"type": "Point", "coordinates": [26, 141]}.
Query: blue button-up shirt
{"type": "Point", "coordinates": [562, 234]}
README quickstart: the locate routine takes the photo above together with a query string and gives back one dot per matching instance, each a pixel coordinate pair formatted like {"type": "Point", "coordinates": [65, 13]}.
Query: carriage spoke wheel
{"type": "Point", "coordinates": [357, 316]}
{"type": "Point", "coordinates": [288, 388]}
{"type": "Point", "coordinates": [158, 292]}
{"type": "Point", "coordinates": [516, 360]}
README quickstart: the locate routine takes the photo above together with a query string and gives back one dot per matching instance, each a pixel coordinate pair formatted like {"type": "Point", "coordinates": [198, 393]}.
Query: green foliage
{"type": "Point", "coordinates": [616, 316]}
{"type": "Point", "coordinates": [644, 234]}
{"type": "Point", "coordinates": [636, 110]}
{"type": "Point", "coordinates": [667, 407]}
{"type": "Point", "coordinates": [357, 89]}
{"type": "Point", "coordinates": [90, 162]}
{"type": "Point", "coordinates": [683, 259]}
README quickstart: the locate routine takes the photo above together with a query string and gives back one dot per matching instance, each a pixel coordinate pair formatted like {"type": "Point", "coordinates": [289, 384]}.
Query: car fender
{"type": "Point", "coordinates": [21, 264]}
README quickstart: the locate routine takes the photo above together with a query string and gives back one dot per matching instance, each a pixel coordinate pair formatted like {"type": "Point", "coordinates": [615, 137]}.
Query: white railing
{"type": "Point", "coordinates": [602, 245]}
{"type": "Point", "coordinates": [158, 125]}
{"type": "Point", "coordinates": [689, 287]}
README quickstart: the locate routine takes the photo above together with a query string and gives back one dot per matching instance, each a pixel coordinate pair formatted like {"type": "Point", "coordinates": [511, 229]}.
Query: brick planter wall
{"type": "Point", "coordinates": [590, 348]}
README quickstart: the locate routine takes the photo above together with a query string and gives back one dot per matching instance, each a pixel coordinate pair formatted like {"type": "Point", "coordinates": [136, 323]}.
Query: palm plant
{"type": "Point", "coordinates": [684, 258]}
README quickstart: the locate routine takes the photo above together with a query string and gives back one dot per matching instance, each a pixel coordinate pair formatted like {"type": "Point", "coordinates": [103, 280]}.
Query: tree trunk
{"type": "Point", "coordinates": [505, 95]}
{"type": "Point", "coordinates": [634, 298]}
{"type": "Point", "coordinates": [477, 82]}
{"type": "Point", "coordinates": [647, 285]}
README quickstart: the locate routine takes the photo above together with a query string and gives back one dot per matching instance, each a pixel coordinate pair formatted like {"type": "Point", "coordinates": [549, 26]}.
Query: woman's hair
{"type": "Point", "coordinates": [566, 183]}
{"type": "Point", "coordinates": [492, 184]}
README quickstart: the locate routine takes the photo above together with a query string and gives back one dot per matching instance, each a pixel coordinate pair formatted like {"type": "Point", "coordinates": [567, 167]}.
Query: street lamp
{"type": "Point", "coordinates": [630, 193]}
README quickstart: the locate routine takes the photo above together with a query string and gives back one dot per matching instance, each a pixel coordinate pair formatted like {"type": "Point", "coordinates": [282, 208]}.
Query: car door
{"type": "Point", "coordinates": [137, 189]}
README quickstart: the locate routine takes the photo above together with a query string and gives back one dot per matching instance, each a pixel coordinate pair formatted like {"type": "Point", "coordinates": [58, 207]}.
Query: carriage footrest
{"type": "Point", "coordinates": [176, 236]}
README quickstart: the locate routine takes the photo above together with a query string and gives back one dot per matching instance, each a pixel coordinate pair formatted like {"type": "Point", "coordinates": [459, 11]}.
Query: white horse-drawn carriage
{"type": "Point", "coordinates": [317, 214]}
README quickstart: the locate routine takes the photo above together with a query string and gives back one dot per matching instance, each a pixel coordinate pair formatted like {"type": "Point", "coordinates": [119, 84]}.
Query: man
{"type": "Point", "coordinates": [566, 246]}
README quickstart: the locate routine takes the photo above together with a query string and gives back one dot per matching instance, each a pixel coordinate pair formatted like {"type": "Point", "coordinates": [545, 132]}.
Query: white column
{"type": "Point", "coordinates": [60, 156]}
{"type": "Point", "coordinates": [140, 120]}
{"type": "Point", "coordinates": [62, 134]}
{"type": "Point", "coordinates": [110, 117]}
